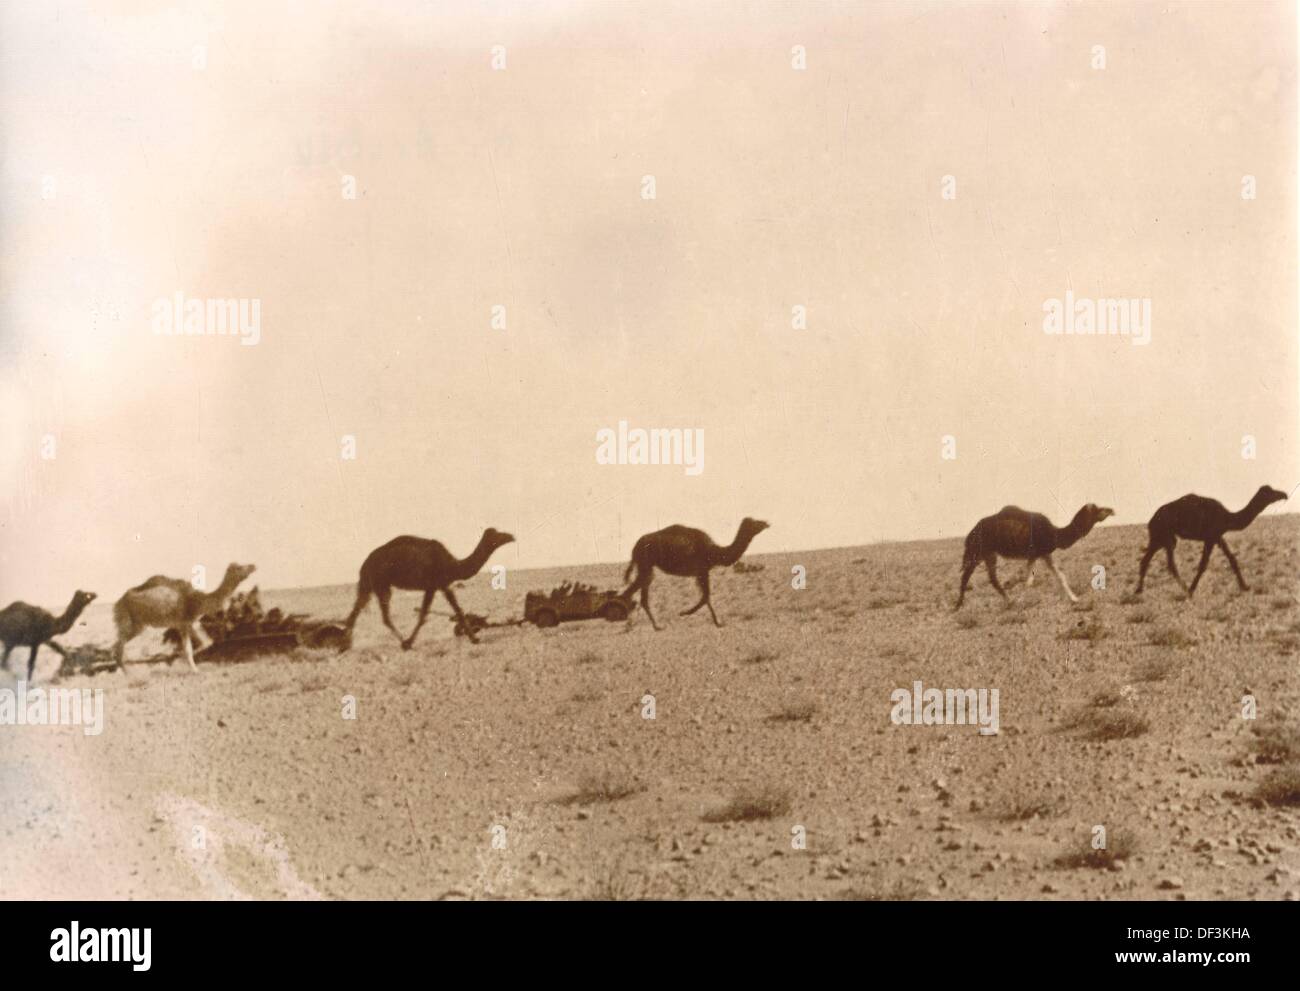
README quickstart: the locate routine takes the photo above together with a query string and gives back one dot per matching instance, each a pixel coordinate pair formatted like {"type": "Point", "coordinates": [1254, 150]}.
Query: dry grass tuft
{"type": "Point", "coordinates": [1090, 630]}
{"type": "Point", "coordinates": [604, 786]}
{"type": "Point", "coordinates": [752, 804]}
{"type": "Point", "coordinates": [1120, 845]}
{"type": "Point", "coordinates": [1281, 787]}
{"type": "Point", "coordinates": [1275, 741]}
{"type": "Point", "coordinates": [1170, 637]}
{"type": "Point", "coordinates": [795, 711]}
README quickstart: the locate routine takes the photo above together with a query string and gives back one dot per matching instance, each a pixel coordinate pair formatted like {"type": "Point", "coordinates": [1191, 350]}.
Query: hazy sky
{"type": "Point", "coordinates": [130, 174]}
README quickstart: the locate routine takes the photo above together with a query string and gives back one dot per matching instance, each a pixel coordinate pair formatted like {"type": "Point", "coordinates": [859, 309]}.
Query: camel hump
{"type": "Point", "coordinates": [155, 581]}
{"type": "Point", "coordinates": [1012, 511]}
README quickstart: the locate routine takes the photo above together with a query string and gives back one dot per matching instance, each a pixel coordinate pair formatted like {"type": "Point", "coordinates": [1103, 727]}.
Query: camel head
{"type": "Point", "coordinates": [1267, 495]}
{"type": "Point", "coordinates": [236, 573]}
{"type": "Point", "coordinates": [495, 538]}
{"type": "Point", "coordinates": [1098, 513]}
{"type": "Point", "coordinates": [82, 599]}
{"type": "Point", "coordinates": [751, 527]}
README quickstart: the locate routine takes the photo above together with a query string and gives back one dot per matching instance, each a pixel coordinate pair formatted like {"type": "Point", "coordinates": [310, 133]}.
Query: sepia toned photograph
{"type": "Point", "coordinates": [649, 451]}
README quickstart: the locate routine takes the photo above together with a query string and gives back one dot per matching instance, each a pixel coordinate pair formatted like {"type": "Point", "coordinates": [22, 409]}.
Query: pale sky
{"type": "Point", "coordinates": [129, 174]}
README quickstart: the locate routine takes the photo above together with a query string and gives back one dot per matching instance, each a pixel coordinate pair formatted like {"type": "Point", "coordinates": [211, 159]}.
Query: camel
{"type": "Point", "coordinates": [1016, 533]}
{"type": "Point", "coordinates": [172, 604]}
{"type": "Point", "coordinates": [687, 553]}
{"type": "Point", "coordinates": [415, 563]}
{"type": "Point", "coordinates": [22, 625]}
{"type": "Point", "coordinates": [1195, 517]}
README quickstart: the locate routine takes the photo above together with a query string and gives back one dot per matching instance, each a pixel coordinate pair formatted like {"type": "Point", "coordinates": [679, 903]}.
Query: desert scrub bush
{"type": "Point", "coordinates": [1280, 603]}
{"type": "Point", "coordinates": [314, 683]}
{"type": "Point", "coordinates": [1120, 845]}
{"type": "Point", "coordinates": [1281, 787]}
{"type": "Point", "coordinates": [1276, 741]}
{"type": "Point", "coordinates": [1140, 616]}
{"type": "Point", "coordinates": [1090, 630]}
{"type": "Point", "coordinates": [604, 786]}
{"type": "Point", "coordinates": [1170, 637]}
{"type": "Point", "coordinates": [585, 695]}
{"type": "Point", "coordinates": [1153, 669]}
{"type": "Point", "coordinates": [880, 890]}
{"type": "Point", "coordinates": [883, 602]}
{"type": "Point", "coordinates": [967, 621]}
{"type": "Point", "coordinates": [1129, 599]}
{"type": "Point", "coordinates": [892, 651]}
{"type": "Point", "coordinates": [1113, 723]}
{"type": "Point", "coordinates": [761, 656]}
{"type": "Point", "coordinates": [590, 657]}
{"type": "Point", "coordinates": [1106, 698]}
{"type": "Point", "coordinates": [795, 711]}
{"type": "Point", "coordinates": [1013, 617]}
{"type": "Point", "coordinates": [751, 804]}
{"type": "Point", "coordinates": [615, 883]}
{"type": "Point", "coordinates": [1022, 808]}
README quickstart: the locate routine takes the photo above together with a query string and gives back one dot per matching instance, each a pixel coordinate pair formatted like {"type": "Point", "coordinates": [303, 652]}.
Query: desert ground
{"type": "Point", "coordinates": [525, 767]}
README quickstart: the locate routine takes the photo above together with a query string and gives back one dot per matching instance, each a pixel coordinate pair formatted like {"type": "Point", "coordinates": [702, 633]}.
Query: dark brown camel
{"type": "Point", "coordinates": [22, 625]}
{"type": "Point", "coordinates": [1195, 517]}
{"type": "Point", "coordinates": [687, 553]}
{"type": "Point", "coordinates": [1017, 533]}
{"type": "Point", "coordinates": [422, 565]}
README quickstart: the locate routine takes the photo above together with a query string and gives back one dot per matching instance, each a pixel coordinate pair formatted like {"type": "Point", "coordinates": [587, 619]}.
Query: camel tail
{"type": "Point", "coordinates": [627, 572]}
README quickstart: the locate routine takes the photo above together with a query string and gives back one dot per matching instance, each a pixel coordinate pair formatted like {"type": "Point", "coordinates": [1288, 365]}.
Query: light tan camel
{"type": "Point", "coordinates": [172, 604]}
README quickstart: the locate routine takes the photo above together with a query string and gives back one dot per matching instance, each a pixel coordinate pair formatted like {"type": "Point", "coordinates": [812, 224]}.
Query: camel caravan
{"type": "Point", "coordinates": [423, 565]}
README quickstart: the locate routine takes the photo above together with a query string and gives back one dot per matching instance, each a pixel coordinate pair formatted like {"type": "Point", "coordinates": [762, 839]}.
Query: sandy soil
{"type": "Point", "coordinates": [524, 767]}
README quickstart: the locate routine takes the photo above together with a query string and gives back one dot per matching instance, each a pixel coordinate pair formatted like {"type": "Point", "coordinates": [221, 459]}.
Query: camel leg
{"type": "Point", "coordinates": [1061, 577]}
{"type": "Point", "coordinates": [385, 596]}
{"type": "Point", "coordinates": [126, 632]}
{"type": "Point", "coordinates": [1029, 572]}
{"type": "Point", "coordinates": [1206, 551]}
{"type": "Point", "coordinates": [363, 599]}
{"type": "Point", "coordinates": [643, 579]}
{"type": "Point", "coordinates": [460, 616]}
{"type": "Point", "coordinates": [1147, 555]}
{"type": "Point", "coordinates": [31, 660]}
{"type": "Point", "coordinates": [991, 566]}
{"type": "Point", "coordinates": [188, 647]}
{"type": "Point", "coordinates": [424, 614]}
{"type": "Point", "coordinates": [703, 582]}
{"type": "Point", "coordinates": [1173, 566]}
{"type": "Point", "coordinates": [705, 599]}
{"type": "Point", "coordinates": [1233, 561]}
{"type": "Point", "coordinates": [5, 662]}
{"type": "Point", "coordinates": [967, 569]}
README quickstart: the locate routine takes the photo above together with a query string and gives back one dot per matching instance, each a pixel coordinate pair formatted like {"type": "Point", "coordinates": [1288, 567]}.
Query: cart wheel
{"type": "Point", "coordinates": [614, 612]}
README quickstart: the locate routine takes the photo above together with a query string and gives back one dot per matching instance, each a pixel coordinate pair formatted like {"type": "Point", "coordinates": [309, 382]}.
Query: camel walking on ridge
{"type": "Point", "coordinates": [22, 625]}
{"type": "Point", "coordinates": [1016, 533]}
{"type": "Point", "coordinates": [1195, 517]}
{"type": "Point", "coordinates": [687, 553]}
{"type": "Point", "coordinates": [172, 604]}
{"type": "Point", "coordinates": [414, 563]}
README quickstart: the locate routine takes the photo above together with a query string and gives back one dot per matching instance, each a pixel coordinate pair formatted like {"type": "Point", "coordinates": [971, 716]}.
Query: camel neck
{"type": "Point", "coordinates": [1076, 530]}
{"type": "Point", "coordinates": [473, 564]}
{"type": "Point", "coordinates": [64, 623]}
{"type": "Point", "coordinates": [730, 554]}
{"type": "Point", "coordinates": [1245, 516]}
